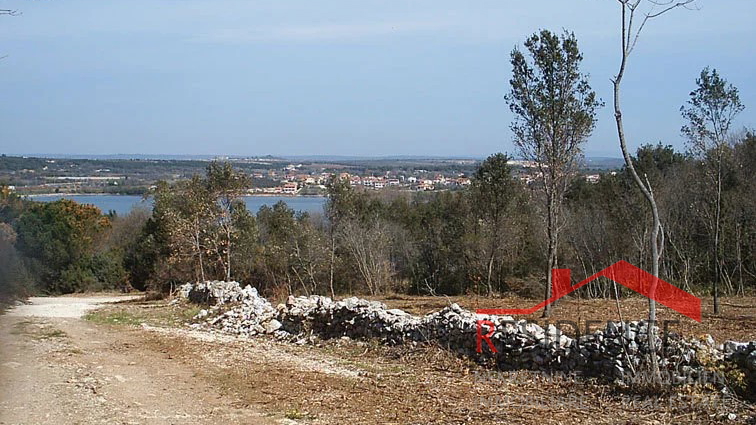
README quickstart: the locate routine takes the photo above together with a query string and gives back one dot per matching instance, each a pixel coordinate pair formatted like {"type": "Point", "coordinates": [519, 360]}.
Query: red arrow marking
{"type": "Point", "coordinates": [625, 274]}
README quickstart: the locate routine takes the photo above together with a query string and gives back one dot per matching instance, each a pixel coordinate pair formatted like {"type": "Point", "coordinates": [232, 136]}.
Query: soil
{"type": "Point", "coordinates": [56, 368]}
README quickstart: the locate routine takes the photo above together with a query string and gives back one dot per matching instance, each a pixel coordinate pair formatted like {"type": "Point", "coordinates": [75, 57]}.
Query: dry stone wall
{"type": "Point", "coordinates": [612, 351]}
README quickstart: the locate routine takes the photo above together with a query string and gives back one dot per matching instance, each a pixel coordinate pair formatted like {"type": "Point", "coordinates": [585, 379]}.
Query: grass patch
{"type": "Point", "coordinates": [154, 313]}
{"type": "Point", "coordinates": [295, 414]}
{"type": "Point", "coordinates": [37, 331]}
{"type": "Point", "coordinates": [109, 317]}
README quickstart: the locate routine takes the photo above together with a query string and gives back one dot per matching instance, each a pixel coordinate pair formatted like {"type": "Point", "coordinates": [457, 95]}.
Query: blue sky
{"type": "Point", "coordinates": [334, 77]}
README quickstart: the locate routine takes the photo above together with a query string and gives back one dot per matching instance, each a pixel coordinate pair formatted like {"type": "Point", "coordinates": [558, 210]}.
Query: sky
{"type": "Point", "coordinates": [335, 77]}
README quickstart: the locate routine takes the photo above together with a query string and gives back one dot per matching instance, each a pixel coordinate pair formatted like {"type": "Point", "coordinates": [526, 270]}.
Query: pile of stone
{"type": "Point", "coordinates": [743, 355]}
{"type": "Point", "coordinates": [215, 292]}
{"type": "Point", "coordinates": [611, 351]}
{"type": "Point", "coordinates": [233, 309]}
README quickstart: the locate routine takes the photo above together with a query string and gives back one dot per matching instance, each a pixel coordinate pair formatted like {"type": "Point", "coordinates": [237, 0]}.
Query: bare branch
{"type": "Point", "coordinates": [669, 5]}
{"type": "Point", "coordinates": [666, 7]}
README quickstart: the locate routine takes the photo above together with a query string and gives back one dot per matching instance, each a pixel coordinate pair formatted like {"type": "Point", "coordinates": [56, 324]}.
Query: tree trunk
{"type": "Point", "coordinates": [490, 269]}
{"type": "Point", "coordinates": [717, 264]}
{"type": "Point", "coordinates": [198, 246]}
{"type": "Point", "coordinates": [551, 228]}
{"type": "Point", "coordinates": [333, 260]}
{"type": "Point", "coordinates": [655, 252]}
{"type": "Point", "coordinates": [228, 253]}
{"type": "Point", "coordinates": [741, 288]}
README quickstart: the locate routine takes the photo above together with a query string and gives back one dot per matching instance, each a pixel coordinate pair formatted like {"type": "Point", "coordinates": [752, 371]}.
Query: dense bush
{"type": "Point", "coordinates": [60, 247]}
{"type": "Point", "coordinates": [14, 279]}
{"type": "Point", "coordinates": [55, 238]}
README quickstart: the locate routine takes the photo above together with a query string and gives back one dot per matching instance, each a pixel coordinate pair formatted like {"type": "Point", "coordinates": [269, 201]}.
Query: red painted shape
{"type": "Point", "coordinates": [625, 274]}
{"type": "Point", "coordinates": [486, 337]}
{"type": "Point", "coordinates": [560, 282]}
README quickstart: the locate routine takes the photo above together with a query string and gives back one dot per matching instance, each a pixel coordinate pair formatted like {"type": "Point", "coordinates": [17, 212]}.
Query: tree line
{"type": "Point", "coordinates": [487, 240]}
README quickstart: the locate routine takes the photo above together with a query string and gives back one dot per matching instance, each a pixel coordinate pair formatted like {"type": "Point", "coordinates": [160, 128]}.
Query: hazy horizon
{"type": "Point", "coordinates": [337, 78]}
{"type": "Point", "coordinates": [126, 156]}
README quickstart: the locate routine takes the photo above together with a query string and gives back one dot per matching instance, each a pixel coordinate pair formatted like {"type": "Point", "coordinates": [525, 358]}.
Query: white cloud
{"type": "Point", "coordinates": [326, 32]}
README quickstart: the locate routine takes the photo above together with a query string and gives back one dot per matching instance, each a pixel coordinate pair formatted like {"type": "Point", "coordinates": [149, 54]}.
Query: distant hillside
{"type": "Point", "coordinates": [152, 157]}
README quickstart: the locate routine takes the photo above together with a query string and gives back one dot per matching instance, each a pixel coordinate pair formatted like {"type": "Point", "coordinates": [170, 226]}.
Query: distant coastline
{"type": "Point", "coordinates": [273, 195]}
{"type": "Point", "coordinates": [284, 195]}
{"type": "Point", "coordinates": [36, 195]}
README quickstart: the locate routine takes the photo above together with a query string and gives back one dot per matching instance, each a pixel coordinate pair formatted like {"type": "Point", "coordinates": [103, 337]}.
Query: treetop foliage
{"type": "Point", "coordinates": [552, 101]}
{"type": "Point", "coordinates": [709, 112]}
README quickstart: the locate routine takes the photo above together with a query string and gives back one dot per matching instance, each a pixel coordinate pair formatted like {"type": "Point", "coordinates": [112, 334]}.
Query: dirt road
{"type": "Point", "coordinates": [56, 368]}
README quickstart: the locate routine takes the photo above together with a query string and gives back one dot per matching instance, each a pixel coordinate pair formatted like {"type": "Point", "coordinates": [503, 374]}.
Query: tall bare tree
{"type": "Point", "coordinates": [712, 107]}
{"type": "Point", "coordinates": [555, 112]}
{"type": "Point", "coordinates": [632, 11]}
{"type": "Point", "coordinates": [369, 246]}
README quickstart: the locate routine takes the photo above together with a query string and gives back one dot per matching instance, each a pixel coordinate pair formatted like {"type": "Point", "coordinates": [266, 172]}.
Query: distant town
{"type": "Point", "coordinates": [270, 175]}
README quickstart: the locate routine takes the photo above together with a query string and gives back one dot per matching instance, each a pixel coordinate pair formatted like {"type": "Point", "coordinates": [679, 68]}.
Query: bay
{"type": "Point", "coordinates": [122, 204]}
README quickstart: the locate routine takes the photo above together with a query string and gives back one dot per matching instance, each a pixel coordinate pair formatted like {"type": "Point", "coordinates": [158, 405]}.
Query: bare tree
{"type": "Point", "coordinates": [369, 245]}
{"type": "Point", "coordinates": [712, 107]}
{"type": "Point", "coordinates": [645, 10]}
{"type": "Point", "coordinates": [309, 254]}
{"type": "Point", "coordinates": [555, 112]}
